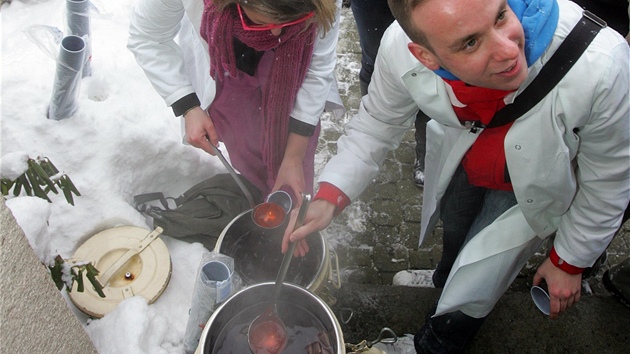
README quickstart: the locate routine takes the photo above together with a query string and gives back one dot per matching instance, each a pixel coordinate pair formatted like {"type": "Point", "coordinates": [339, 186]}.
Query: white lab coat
{"type": "Point", "coordinates": [166, 41]}
{"type": "Point", "coordinates": [574, 183]}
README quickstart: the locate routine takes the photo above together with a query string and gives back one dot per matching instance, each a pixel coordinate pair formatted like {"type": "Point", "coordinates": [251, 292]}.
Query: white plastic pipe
{"type": "Point", "coordinates": [66, 86]}
{"type": "Point", "coordinates": [79, 25]}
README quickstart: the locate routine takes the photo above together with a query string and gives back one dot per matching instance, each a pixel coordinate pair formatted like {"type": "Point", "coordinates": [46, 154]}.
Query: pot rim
{"type": "Point", "coordinates": [322, 304]}
{"type": "Point", "coordinates": [323, 266]}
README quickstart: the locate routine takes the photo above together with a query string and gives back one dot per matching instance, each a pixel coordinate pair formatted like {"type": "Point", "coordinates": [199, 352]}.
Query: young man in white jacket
{"type": "Point", "coordinates": [563, 167]}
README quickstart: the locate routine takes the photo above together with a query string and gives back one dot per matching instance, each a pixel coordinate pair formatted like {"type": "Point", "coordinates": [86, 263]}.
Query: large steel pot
{"type": "Point", "coordinates": [309, 320]}
{"type": "Point", "coordinates": [257, 256]}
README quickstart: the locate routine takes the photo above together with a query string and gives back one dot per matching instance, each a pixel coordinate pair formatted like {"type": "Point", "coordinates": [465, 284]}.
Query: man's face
{"type": "Point", "coordinates": [479, 41]}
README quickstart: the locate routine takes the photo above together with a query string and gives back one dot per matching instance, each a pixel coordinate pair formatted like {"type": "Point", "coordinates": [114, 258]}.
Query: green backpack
{"type": "Point", "coordinates": [202, 212]}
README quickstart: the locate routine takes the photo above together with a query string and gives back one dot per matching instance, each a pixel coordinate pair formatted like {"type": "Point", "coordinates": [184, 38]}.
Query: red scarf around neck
{"type": "Point", "coordinates": [485, 161]}
{"type": "Point", "coordinates": [293, 53]}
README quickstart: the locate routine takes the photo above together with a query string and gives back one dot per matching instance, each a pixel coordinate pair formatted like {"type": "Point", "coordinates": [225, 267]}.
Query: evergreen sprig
{"type": "Point", "coordinates": [40, 178]}
{"type": "Point", "coordinates": [76, 275]}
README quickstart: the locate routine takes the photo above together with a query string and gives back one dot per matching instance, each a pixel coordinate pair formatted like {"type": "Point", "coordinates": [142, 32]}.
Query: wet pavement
{"type": "Point", "coordinates": [377, 236]}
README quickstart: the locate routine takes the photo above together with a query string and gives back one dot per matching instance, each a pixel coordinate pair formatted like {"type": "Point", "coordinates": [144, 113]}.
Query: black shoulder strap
{"type": "Point", "coordinates": [552, 72]}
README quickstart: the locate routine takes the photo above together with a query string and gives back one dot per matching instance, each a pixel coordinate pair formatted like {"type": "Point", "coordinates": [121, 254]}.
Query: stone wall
{"type": "Point", "coordinates": [34, 317]}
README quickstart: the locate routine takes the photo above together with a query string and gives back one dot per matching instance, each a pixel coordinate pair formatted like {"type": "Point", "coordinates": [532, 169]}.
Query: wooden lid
{"type": "Point", "coordinates": [131, 261]}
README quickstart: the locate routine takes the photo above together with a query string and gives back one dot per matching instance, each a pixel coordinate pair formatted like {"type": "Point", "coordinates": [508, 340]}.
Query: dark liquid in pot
{"type": "Point", "coordinates": [257, 258]}
{"type": "Point", "coordinates": [304, 330]}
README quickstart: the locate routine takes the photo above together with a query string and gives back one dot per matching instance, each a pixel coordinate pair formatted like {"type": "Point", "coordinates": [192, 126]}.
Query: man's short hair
{"type": "Point", "coordinates": [402, 11]}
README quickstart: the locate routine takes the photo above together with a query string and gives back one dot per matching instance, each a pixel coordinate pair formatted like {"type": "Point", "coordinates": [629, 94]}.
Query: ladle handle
{"type": "Point", "coordinates": [286, 260]}
{"type": "Point", "coordinates": [238, 181]}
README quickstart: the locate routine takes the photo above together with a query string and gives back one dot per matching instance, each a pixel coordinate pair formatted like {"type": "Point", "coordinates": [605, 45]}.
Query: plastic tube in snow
{"type": "Point", "coordinates": [79, 25]}
{"type": "Point", "coordinates": [67, 78]}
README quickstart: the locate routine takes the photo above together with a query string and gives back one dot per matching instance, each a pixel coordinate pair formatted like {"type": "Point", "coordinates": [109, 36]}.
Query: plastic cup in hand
{"type": "Point", "coordinates": [281, 198]}
{"type": "Point", "coordinates": [540, 295]}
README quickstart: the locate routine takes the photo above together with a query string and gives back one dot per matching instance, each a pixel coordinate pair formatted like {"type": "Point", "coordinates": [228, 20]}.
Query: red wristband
{"type": "Point", "coordinates": [562, 264]}
{"type": "Point", "coordinates": [330, 193]}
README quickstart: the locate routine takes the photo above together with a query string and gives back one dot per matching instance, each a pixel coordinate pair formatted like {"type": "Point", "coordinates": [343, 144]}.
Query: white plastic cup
{"type": "Point", "coordinates": [218, 273]}
{"type": "Point", "coordinates": [540, 295]}
{"type": "Point", "coordinates": [212, 286]}
{"type": "Point", "coordinates": [281, 198]}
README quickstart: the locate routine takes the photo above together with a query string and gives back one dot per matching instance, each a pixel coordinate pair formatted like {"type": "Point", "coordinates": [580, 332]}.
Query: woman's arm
{"type": "Point", "coordinates": [291, 172]}
{"type": "Point", "coordinates": [311, 98]}
{"type": "Point", "coordinates": [153, 27]}
{"type": "Point", "coordinates": [152, 31]}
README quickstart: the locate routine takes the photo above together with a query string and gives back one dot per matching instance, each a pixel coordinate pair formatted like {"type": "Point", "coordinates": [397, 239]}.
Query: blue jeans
{"type": "Point", "coordinates": [372, 18]}
{"type": "Point", "coordinates": [465, 210]}
{"type": "Point", "coordinates": [421, 137]}
{"type": "Point", "coordinates": [448, 333]}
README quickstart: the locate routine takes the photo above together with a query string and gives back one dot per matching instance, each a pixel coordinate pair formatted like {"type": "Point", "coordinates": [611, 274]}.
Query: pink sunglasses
{"type": "Point", "coordinates": [269, 26]}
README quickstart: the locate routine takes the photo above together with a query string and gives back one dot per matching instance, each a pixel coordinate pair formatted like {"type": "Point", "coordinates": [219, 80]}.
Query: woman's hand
{"type": "Point", "coordinates": [200, 130]}
{"type": "Point", "coordinates": [291, 172]}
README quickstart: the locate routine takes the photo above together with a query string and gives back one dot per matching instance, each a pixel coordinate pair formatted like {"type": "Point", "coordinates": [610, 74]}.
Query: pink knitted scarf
{"type": "Point", "coordinates": [293, 52]}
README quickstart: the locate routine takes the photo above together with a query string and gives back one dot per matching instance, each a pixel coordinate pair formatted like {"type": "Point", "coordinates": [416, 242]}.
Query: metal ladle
{"type": "Point", "coordinates": [234, 175]}
{"type": "Point", "coordinates": [266, 215]}
{"type": "Point", "coordinates": [267, 333]}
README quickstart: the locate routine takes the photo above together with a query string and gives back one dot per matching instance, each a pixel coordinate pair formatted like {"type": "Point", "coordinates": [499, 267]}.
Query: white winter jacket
{"type": "Point", "coordinates": [568, 158]}
{"type": "Point", "coordinates": [166, 41]}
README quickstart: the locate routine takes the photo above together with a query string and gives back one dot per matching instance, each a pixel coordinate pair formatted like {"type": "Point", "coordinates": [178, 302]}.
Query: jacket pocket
{"type": "Point", "coordinates": [572, 141]}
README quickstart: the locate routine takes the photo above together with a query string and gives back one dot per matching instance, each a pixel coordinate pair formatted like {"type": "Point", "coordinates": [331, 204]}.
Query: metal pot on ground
{"type": "Point", "coordinates": [257, 256]}
{"type": "Point", "coordinates": [311, 323]}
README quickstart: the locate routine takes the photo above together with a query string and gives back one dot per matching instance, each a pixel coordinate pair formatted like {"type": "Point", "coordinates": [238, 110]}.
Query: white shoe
{"type": "Point", "coordinates": [418, 174]}
{"type": "Point", "coordinates": [422, 278]}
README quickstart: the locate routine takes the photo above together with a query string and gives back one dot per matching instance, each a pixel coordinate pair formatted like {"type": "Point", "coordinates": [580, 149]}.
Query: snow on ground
{"type": "Point", "coordinates": [123, 141]}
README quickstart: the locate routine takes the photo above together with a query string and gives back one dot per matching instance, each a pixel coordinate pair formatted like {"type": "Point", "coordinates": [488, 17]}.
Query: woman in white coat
{"type": "Point", "coordinates": [255, 75]}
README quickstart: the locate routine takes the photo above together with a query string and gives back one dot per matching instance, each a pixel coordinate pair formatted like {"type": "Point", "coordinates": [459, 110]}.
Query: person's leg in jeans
{"type": "Point", "coordinates": [451, 332]}
{"type": "Point", "coordinates": [372, 18]}
{"type": "Point", "coordinates": [458, 209]}
{"type": "Point", "coordinates": [617, 279]}
{"type": "Point", "coordinates": [457, 328]}
{"type": "Point", "coordinates": [421, 137]}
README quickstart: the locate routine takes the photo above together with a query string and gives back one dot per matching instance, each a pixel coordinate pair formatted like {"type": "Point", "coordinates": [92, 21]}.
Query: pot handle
{"type": "Point", "coordinates": [334, 277]}
{"type": "Point", "coordinates": [391, 339]}
{"type": "Point", "coordinates": [366, 346]}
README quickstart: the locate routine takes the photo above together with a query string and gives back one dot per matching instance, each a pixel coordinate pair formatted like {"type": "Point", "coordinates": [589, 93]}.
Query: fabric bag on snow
{"type": "Point", "coordinates": [202, 212]}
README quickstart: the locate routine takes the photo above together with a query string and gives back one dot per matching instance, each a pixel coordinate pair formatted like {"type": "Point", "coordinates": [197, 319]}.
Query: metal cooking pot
{"type": "Point", "coordinates": [245, 305]}
{"type": "Point", "coordinates": [257, 256]}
